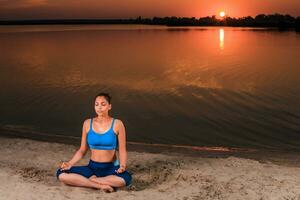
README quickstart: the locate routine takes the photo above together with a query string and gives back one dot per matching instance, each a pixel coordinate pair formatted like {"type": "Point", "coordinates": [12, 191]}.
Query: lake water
{"type": "Point", "coordinates": [197, 86]}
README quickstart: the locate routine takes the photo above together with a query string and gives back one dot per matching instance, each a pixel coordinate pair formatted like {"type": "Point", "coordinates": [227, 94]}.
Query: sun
{"type": "Point", "coordinates": [222, 14]}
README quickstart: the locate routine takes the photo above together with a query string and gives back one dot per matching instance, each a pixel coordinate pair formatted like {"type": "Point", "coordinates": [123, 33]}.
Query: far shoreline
{"type": "Point", "coordinates": [276, 21]}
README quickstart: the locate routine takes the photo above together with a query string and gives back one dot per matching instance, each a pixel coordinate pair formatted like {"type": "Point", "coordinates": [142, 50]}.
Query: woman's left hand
{"type": "Point", "coordinates": [121, 169]}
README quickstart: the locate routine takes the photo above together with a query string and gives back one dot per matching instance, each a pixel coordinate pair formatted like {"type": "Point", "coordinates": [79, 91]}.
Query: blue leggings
{"type": "Point", "coordinates": [100, 169]}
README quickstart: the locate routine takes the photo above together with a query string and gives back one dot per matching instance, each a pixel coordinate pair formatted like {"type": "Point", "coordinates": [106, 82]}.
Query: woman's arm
{"type": "Point", "coordinates": [80, 153]}
{"type": "Point", "coordinates": [122, 146]}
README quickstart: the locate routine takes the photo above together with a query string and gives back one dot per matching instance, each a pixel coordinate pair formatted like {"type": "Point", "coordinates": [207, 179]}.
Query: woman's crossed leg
{"type": "Point", "coordinates": [82, 176]}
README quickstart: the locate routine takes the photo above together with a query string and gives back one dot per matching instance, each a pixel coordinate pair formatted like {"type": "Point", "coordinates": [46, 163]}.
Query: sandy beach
{"type": "Point", "coordinates": [28, 172]}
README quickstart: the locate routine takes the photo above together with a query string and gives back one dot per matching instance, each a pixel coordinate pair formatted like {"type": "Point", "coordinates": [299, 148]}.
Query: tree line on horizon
{"type": "Point", "coordinates": [282, 22]}
{"type": "Point", "coordinates": [274, 20]}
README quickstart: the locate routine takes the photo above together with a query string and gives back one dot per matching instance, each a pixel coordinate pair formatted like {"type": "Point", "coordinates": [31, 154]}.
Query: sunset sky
{"type": "Point", "coordinates": [54, 9]}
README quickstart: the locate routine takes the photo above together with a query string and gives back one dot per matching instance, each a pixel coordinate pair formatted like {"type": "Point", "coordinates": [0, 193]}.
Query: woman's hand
{"type": "Point", "coordinates": [65, 165]}
{"type": "Point", "coordinates": [121, 169]}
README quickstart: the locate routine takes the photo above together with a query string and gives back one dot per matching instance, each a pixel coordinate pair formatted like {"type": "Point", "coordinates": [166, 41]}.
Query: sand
{"type": "Point", "coordinates": [27, 171]}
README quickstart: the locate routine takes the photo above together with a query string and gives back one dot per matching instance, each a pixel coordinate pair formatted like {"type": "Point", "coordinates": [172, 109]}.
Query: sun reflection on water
{"type": "Point", "coordinates": [222, 35]}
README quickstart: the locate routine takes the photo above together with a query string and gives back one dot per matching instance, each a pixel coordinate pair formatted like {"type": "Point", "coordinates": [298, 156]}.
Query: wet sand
{"type": "Point", "coordinates": [27, 171]}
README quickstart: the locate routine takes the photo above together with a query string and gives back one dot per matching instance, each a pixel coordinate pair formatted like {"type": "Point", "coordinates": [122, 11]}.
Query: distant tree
{"type": "Point", "coordinates": [297, 24]}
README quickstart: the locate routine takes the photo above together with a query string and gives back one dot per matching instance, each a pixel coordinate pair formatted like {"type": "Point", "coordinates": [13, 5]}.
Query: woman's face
{"type": "Point", "coordinates": [102, 106]}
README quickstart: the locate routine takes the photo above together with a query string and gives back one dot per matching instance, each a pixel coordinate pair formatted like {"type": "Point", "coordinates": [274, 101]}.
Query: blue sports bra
{"type": "Point", "coordinates": [103, 141]}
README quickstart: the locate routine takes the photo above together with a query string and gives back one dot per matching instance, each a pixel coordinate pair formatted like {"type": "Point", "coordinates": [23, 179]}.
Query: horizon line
{"type": "Point", "coordinates": [134, 18]}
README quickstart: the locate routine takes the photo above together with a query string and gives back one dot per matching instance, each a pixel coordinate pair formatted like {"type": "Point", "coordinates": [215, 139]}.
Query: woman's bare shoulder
{"type": "Point", "coordinates": [118, 122]}
{"type": "Point", "coordinates": [86, 124]}
{"type": "Point", "coordinates": [118, 125]}
{"type": "Point", "coordinates": [87, 121]}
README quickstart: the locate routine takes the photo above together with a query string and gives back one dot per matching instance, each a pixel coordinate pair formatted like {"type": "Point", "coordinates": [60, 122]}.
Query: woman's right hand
{"type": "Point", "coordinates": [65, 165]}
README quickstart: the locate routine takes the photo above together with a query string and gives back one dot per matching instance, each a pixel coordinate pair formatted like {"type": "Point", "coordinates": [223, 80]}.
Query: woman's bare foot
{"type": "Point", "coordinates": [106, 188]}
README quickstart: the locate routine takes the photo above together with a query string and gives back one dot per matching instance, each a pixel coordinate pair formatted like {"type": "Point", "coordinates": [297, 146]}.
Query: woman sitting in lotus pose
{"type": "Point", "coordinates": [102, 135]}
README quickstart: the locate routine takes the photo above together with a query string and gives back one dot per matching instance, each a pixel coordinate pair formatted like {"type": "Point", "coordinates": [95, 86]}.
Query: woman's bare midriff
{"type": "Point", "coordinates": [103, 155]}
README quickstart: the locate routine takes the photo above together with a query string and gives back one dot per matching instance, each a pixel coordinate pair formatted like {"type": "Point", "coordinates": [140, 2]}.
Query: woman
{"type": "Point", "coordinates": [103, 135]}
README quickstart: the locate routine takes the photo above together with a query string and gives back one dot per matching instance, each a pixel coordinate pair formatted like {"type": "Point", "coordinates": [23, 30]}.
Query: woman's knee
{"type": "Point", "coordinates": [63, 177]}
{"type": "Point", "coordinates": [60, 175]}
{"type": "Point", "coordinates": [127, 178]}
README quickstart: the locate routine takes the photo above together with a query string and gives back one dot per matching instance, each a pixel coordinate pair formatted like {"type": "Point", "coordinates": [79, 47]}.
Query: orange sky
{"type": "Point", "coordinates": [37, 9]}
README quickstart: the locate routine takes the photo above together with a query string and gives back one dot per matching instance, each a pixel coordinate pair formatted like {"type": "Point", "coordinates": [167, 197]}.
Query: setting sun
{"type": "Point", "coordinates": [222, 14]}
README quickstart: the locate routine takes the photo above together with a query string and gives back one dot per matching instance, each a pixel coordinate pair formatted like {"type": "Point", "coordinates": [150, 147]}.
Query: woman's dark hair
{"type": "Point", "coordinates": [105, 95]}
